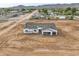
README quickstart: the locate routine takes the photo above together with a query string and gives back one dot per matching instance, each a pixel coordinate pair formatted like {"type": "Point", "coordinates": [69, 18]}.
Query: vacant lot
{"type": "Point", "coordinates": [66, 42]}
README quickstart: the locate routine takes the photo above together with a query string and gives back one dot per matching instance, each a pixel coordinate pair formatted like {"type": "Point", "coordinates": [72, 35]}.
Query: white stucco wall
{"type": "Point", "coordinates": [49, 30]}
{"type": "Point", "coordinates": [30, 30]}
{"type": "Point", "coordinates": [60, 17]}
{"type": "Point", "coordinates": [76, 17]}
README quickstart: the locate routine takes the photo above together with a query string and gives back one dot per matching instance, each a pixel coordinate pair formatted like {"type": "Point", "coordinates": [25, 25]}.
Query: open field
{"type": "Point", "coordinates": [66, 42]}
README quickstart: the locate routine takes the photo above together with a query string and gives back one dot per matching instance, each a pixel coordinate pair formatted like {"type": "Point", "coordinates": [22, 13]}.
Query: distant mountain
{"type": "Point", "coordinates": [23, 7]}
{"type": "Point", "coordinates": [19, 7]}
{"type": "Point", "coordinates": [73, 5]}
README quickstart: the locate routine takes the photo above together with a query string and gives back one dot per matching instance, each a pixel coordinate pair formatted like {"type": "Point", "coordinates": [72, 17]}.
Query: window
{"type": "Point", "coordinates": [54, 33]}
{"type": "Point", "coordinates": [34, 30]}
{"type": "Point", "coordinates": [26, 30]}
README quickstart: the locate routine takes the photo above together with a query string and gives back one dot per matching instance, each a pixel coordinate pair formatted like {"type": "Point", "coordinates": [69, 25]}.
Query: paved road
{"type": "Point", "coordinates": [22, 19]}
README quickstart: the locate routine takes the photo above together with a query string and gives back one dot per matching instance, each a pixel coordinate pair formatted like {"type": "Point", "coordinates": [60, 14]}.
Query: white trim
{"type": "Point", "coordinates": [37, 31]}
{"type": "Point", "coordinates": [31, 30]}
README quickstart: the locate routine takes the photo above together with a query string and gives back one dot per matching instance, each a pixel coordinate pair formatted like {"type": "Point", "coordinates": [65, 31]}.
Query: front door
{"type": "Point", "coordinates": [40, 31]}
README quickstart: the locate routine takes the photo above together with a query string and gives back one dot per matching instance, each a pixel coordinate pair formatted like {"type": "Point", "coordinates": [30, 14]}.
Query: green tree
{"type": "Point", "coordinates": [23, 9]}
{"type": "Point", "coordinates": [45, 11]}
{"type": "Point", "coordinates": [74, 11]}
{"type": "Point", "coordinates": [67, 9]}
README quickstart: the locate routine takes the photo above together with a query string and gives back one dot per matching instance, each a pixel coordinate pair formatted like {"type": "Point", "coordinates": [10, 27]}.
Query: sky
{"type": "Point", "coordinates": [9, 3]}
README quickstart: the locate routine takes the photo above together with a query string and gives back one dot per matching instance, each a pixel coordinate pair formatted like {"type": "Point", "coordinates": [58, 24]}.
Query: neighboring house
{"type": "Point", "coordinates": [13, 11]}
{"type": "Point", "coordinates": [40, 28]}
{"type": "Point", "coordinates": [60, 17]}
{"type": "Point", "coordinates": [43, 15]}
{"type": "Point", "coordinates": [76, 17]}
{"type": "Point", "coordinates": [38, 16]}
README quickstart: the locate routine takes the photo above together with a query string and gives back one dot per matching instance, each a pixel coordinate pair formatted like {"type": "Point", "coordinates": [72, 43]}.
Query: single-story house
{"type": "Point", "coordinates": [60, 17]}
{"type": "Point", "coordinates": [39, 16]}
{"type": "Point", "coordinates": [40, 28]}
{"type": "Point", "coordinates": [14, 11]}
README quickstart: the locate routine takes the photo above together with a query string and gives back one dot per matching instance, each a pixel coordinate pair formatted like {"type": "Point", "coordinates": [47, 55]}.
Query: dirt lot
{"type": "Point", "coordinates": [66, 42]}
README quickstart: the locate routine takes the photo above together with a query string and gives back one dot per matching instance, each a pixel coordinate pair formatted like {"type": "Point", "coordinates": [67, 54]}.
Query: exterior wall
{"type": "Point", "coordinates": [47, 32]}
{"type": "Point", "coordinates": [30, 30]}
{"type": "Point", "coordinates": [60, 17]}
{"type": "Point", "coordinates": [76, 17]}
{"type": "Point", "coordinates": [51, 31]}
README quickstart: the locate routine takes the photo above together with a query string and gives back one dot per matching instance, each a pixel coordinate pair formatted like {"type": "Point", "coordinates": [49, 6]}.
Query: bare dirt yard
{"type": "Point", "coordinates": [15, 42]}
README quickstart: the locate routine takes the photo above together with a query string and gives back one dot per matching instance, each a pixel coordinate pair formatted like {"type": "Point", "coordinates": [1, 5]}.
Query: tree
{"type": "Point", "coordinates": [45, 11]}
{"type": "Point", "coordinates": [39, 10]}
{"type": "Point", "coordinates": [60, 11]}
{"type": "Point", "coordinates": [71, 18]}
{"type": "Point", "coordinates": [67, 9]}
{"type": "Point", "coordinates": [68, 12]}
{"type": "Point", "coordinates": [74, 11]}
{"type": "Point", "coordinates": [23, 9]}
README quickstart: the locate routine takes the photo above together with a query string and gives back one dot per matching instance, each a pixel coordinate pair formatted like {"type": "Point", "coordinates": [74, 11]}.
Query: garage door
{"type": "Point", "coordinates": [46, 33]}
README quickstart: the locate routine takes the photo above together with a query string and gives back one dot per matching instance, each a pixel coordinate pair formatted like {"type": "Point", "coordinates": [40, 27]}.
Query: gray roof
{"type": "Point", "coordinates": [32, 25]}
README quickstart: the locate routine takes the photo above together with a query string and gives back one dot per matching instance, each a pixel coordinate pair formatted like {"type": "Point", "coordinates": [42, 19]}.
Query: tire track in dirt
{"type": "Point", "coordinates": [22, 19]}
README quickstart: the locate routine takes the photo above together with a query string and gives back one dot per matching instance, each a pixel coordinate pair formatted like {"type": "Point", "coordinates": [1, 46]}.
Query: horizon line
{"type": "Point", "coordinates": [33, 4]}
